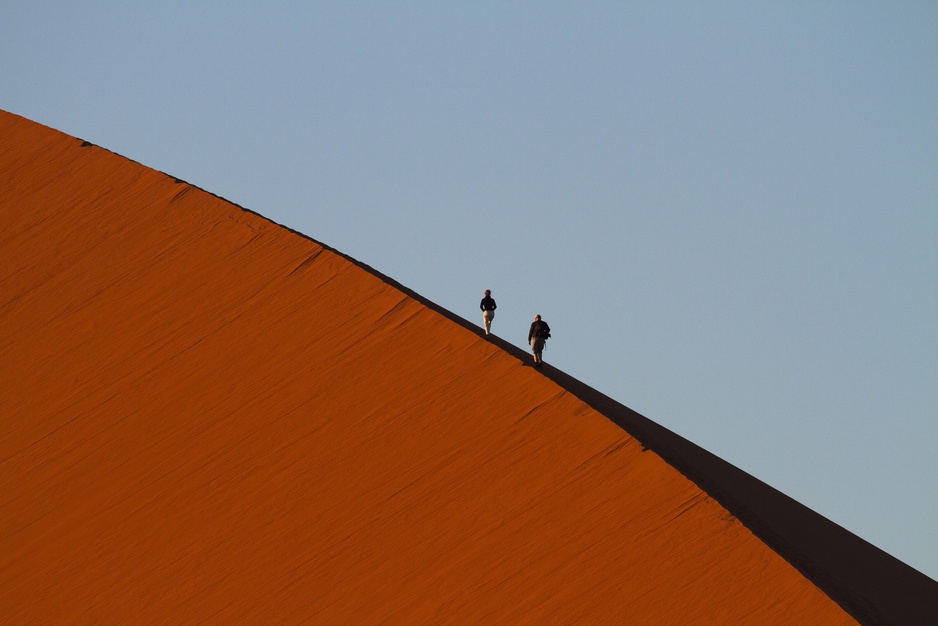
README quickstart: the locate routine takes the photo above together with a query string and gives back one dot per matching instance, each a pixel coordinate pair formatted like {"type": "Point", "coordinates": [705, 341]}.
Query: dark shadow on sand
{"type": "Point", "coordinates": [869, 584]}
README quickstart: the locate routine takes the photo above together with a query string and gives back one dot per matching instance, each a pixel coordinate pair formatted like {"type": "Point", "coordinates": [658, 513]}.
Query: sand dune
{"type": "Point", "coordinates": [210, 418]}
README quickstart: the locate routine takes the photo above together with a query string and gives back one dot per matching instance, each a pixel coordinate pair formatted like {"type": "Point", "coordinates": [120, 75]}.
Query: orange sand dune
{"type": "Point", "coordinates": [210, 418]}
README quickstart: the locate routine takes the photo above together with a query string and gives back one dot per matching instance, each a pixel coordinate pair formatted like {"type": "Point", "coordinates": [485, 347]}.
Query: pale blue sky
{"type": "Point", "coordinates": [727, 211]}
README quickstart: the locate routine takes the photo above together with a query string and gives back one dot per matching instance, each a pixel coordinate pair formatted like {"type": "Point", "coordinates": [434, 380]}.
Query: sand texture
{"type": "Point", "coordinates": [209, 418]}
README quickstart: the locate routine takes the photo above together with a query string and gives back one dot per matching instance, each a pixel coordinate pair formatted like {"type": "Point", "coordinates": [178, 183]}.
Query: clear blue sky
{"type": "Point", "coordinates": [727, 211]}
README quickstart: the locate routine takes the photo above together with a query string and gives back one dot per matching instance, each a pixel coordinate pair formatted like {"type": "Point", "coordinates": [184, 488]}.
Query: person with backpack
{"type": "Point", "coordinates": [538, 335]}
{"type": "Point", "coordinates": [488, 307]}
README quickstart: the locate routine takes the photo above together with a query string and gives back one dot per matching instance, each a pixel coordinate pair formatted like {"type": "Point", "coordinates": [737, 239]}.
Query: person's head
{"type": "Point", "coordinates": [488, 292]}
{"type": "Point", "coordinates": [537, 318]}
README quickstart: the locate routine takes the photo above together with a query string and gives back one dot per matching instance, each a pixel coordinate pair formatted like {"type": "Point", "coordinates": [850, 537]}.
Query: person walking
{"type": "Point", "coordinates": [488, 307]}
{"type": "Point", "coordinates": [538, 335]}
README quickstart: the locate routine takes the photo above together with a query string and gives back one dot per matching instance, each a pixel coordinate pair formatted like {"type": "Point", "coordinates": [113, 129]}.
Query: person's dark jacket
{"type": "Point", "coordinates": [488, 304]}
{"type": "Point", "coordinates": [539, 329]}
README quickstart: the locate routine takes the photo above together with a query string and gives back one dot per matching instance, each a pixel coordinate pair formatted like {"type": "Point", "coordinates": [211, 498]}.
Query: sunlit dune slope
{"type": "Point", "coordinates": [210, 418]}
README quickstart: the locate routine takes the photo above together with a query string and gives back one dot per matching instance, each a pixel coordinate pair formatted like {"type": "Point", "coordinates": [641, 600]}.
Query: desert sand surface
{"type": "Point", "coordinates": [210, 418]}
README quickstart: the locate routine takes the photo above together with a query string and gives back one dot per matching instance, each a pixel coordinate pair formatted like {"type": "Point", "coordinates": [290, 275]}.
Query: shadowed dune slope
{"type": "Point", "coordinates": [210, 418]}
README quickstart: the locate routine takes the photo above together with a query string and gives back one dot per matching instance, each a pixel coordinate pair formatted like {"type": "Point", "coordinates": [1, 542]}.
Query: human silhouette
{"type": "Point", "coordinates": [488, 307]}
{"type": "Point", "coordinates": [538, 335]}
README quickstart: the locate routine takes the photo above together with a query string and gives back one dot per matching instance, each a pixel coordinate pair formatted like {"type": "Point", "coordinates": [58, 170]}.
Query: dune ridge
{"type": "Point", "coordinates": [211, 418]}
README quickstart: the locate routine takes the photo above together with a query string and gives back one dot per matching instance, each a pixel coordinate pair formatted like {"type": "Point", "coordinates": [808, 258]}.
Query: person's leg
{"type": "Point", "coordinates": [538, 349]}
{"type": "Point", "coordinates": [487, 317]}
